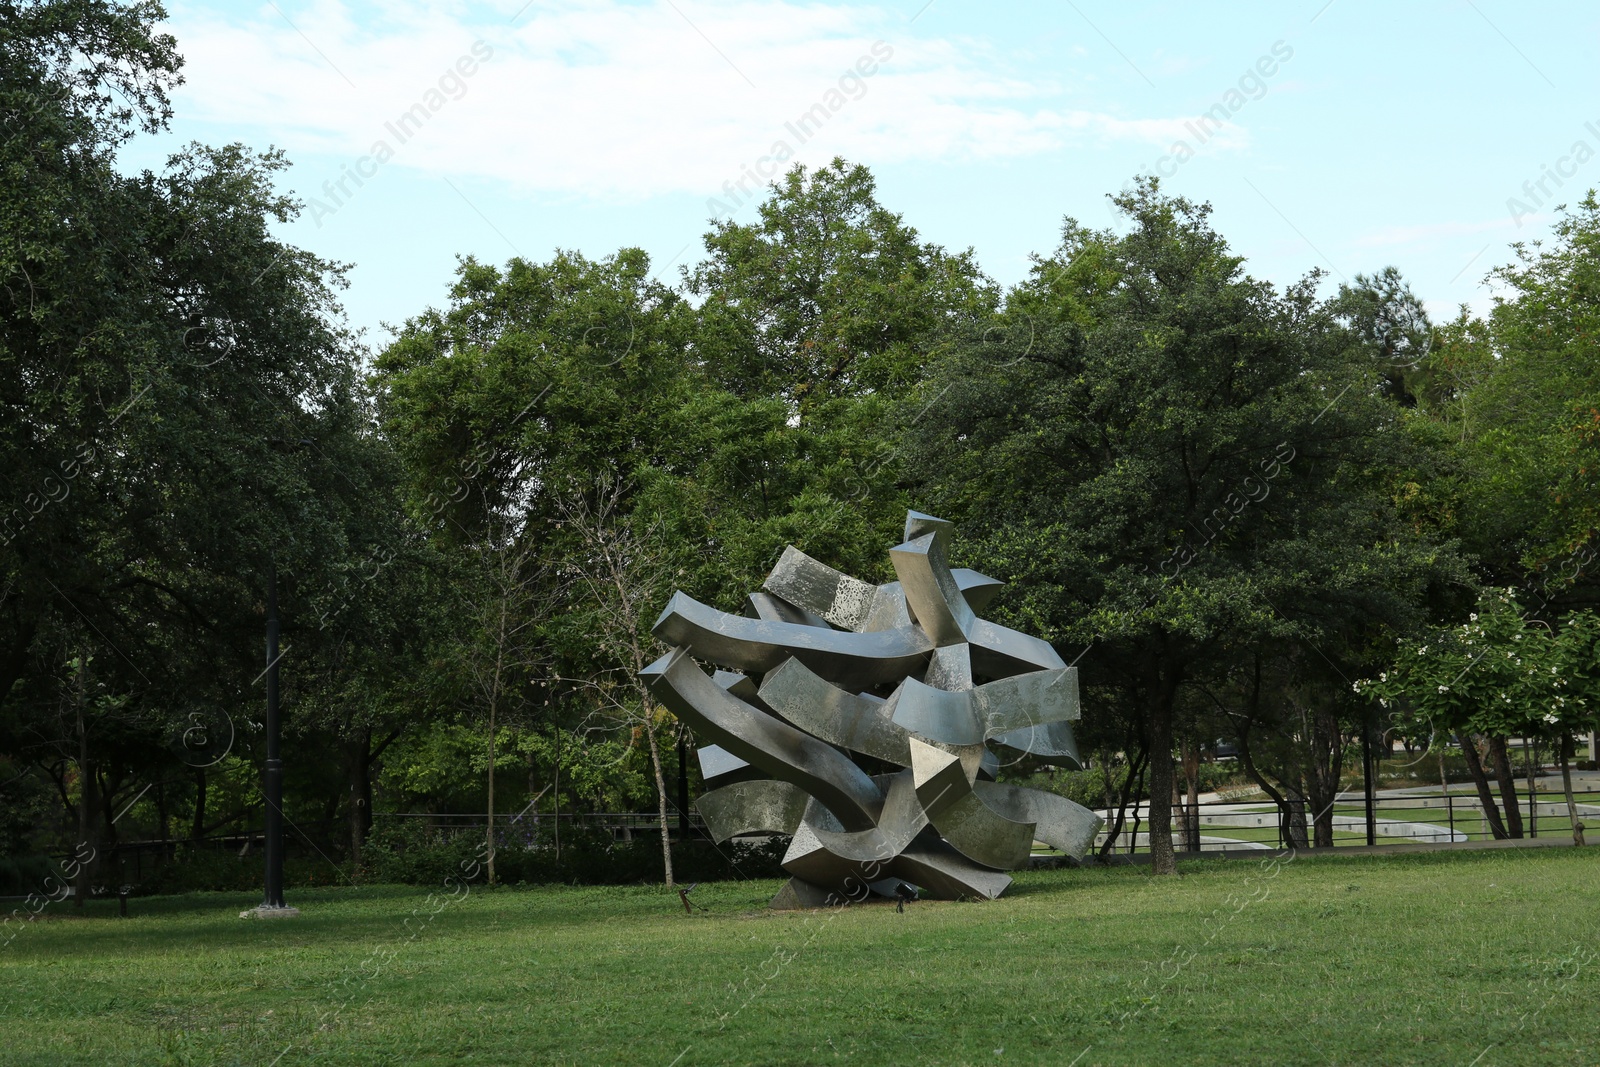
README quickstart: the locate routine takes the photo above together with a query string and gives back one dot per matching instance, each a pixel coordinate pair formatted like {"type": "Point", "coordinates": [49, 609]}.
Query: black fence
{"type": "Point", "coordinates": [1420, 817]}
{"type": "Point", "coordinates": [530, 828]}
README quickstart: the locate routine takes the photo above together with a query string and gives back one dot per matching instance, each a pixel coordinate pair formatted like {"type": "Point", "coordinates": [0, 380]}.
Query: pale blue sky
{"type": "Point", "coordinates": [1376, 134]}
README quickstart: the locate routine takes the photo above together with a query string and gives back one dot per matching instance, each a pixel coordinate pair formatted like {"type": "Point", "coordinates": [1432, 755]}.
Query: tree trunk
{"type": "Point", "coordinates": [108, 813]}
{"type": "Point", "coordinates": [1327, 763]}
{"type": "Point", "coordinates": [197, 825]}
{"type": "Point", "coordinates": [1138, 810]}
{"type": "Point", "coordinates": [88, 803]}
{"type": "Point", "coordinates": [661, 791]}
{"type": "Point", "coordinates": [1249, 762]}
{"type": "Point", "coordinates": [1162, 859]}
{"type": "Point", "coordinates": [358, 814]}
{"type": "Point", "coordinates": [1529, 752]}
{"type": "Point", "coordinates": [1508, 784]}
{"type": "Point", "coordinates": [88, 815]}
{"type": "Point", "coordinates": [1491, 812]}
{"type": "Point", "coordinates": [1132, 783]}
{"type": "Point", "coordinates": [1191, 779]}
{"type": "Point", "coordinates": [163, 816]}
{"type": "Point", "coordinates": [1564, 749]}
{"type": "Point", "coordinates": [1298, 838]}
{"type": "Point", "coordinates": [488, 833]}
{"type": "Point", "coordinates": [557, 792]}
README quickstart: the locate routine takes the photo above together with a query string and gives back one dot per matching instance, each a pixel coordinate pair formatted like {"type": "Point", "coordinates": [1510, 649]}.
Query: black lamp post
{"type": "Point", "coordinates": [1367, 774]}
{"type": "Point", "coordinates": [272, 904]}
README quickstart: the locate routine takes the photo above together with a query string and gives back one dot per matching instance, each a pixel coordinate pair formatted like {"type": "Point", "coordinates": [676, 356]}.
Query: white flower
{"type": "Point", "coordinates": [1384, 677]}
{"type": "Point", "coordinates": [1383, 702]}
{"type": "Point", "coordinates": [1552, 719]}
{"type": "Point", "coordinates": [1444, 689]}
{"type": "Point", "coordinates": [1473, 617]}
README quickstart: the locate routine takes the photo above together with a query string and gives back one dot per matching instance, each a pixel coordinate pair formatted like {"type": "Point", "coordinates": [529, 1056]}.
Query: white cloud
{"type": "Point", "coordinates": [611, 100]}
{"type": "Point", "coordinates": [1436, 233]}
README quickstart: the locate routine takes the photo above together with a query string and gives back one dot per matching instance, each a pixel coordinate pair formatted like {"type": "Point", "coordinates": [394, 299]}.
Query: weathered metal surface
{"type": "Point", "coordinates": [902, 820]}
{"type": "Point", "coordinates": [859, 723]}
{"type": "Point", "coordinates": [979, 590]}
{"type": "Point", "coordinates": [816, 587]}
{"type": "Point", "coordinates": [973, 716]}
{"type": "Point", "coordinates": [719, 767]}
{"type": "Point", "coordinates": [943, 873]}
{"type": "Point", "coordinates": [829, 666]}
{"type": "Point", "coordinates": [770, 743]}
{"type": "Point", "coordinates": [761, 805]}
{"type": "Point", "coordinates": [936, 713]}
{"type": "Point", "coordinates": [1058, 822]}
{"type": "Point", "coordinates": [758, 645]}
{"type": "Point", "coordinates": [960, 815]}
{"type": "Point", "coordinates": [776, 609]}
{"type": "Point", "coordinates": [931, 592]}
{"type": "Point", "coordinates": [1051, 743]}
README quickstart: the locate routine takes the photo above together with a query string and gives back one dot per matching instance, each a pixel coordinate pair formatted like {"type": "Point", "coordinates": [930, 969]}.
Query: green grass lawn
{"type": "Point", "coordinates": [1483, 958]}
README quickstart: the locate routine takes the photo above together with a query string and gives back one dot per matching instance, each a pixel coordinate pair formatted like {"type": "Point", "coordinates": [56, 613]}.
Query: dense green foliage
{"type": "Point", "coordinates": [1231, 503]}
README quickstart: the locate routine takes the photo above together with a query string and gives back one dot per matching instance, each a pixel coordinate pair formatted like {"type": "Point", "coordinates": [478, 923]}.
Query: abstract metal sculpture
{"type": "Point", "coordinates": [828, 673]}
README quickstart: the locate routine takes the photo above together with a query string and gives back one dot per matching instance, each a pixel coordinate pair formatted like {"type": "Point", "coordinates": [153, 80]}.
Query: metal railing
{"type": "Point", "coordinates": [512, 827]}
{"type": "Point", "coordinates": [1433, 817]}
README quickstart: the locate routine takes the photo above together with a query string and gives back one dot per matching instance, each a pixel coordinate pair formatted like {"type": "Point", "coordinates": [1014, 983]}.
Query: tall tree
{"type": "Point", "coordinates": [828, 294]}
{"type": "Point", "coordinates": [179, 387]}
{"type": "Point", "coordinates": [1173, 461]}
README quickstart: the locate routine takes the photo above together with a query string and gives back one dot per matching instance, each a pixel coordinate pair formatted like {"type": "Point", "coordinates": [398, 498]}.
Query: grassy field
{"type": "Point", "coordinates": [1484, 958]}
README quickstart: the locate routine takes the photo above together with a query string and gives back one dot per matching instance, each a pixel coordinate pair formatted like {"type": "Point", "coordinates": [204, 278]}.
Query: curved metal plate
{"type": "Point", "coordinates": [935, 713]}
{"type": "Point", "coordinates": [978, 589]}
{"type": "Point", "coordinates": [936, 603]}
{"type": "Point", "coordinates": [960, 815]}
{"type": "Point", "coordinates": [902, 820]}
{"type": "Point", "coordinates": [1030, 699]}
{"type": "Point", "coordinates": [944, 874]}
{"type": "Point", "coordinates": [889, 611]}
{"type": "Point", "coordinates": [752, 807]}
{"type": "Point", "coordinates": [770, 743]}
{"type": "Point", "coordinates": [950, 668]}
{"type": "Point", "coordinates": [1058, 822]}
{"type": "Point", "coordinates": [814, 586]}
{"type": "Point", "coordinates": [824, 710]}
{"type": "Point", "coordinates": [776, 609]}
{"type": "Point", "coordinates": [1051, 743]}
{"type": "Point", "coordinates": [972, 716]}
{"type": "Point", "coordinates": [857, 661]}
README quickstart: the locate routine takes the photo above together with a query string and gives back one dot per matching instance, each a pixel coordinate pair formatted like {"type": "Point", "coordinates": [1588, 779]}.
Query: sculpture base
{"type": "Point", "coordinates": [798, 894]}
{"type": "Point", "coordinates": [264, 912]}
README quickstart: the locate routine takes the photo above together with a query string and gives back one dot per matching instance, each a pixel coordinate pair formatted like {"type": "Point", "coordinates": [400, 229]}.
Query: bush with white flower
{"type": "Point", "coordinates": [1499, 673]}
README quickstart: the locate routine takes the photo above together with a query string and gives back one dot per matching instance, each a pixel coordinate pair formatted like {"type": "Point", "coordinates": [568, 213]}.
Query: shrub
{"type": "Point", "coordinates": [421, 855]}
